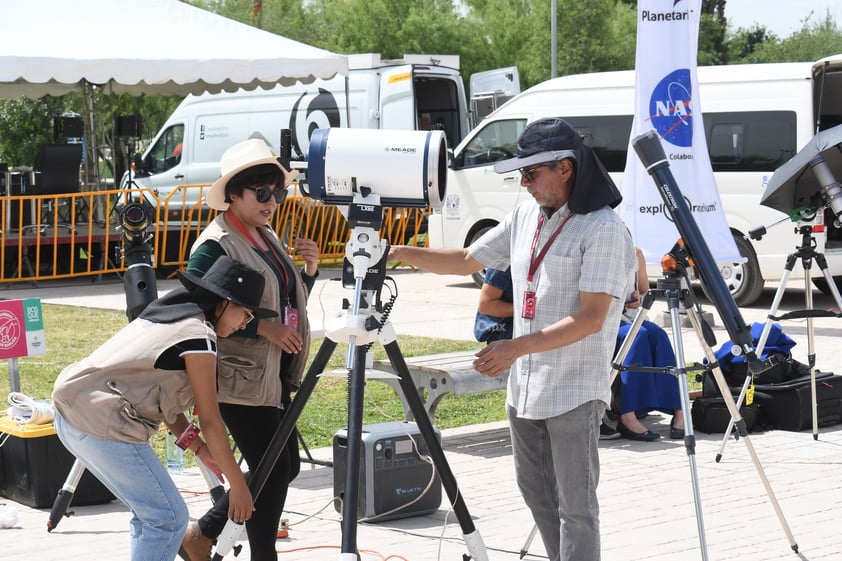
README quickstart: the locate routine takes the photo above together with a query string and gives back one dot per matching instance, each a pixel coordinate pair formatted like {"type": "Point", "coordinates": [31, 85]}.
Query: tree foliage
{"type": "Point", "coordinates": [26, 125]}
{"type": "Point", "coordinates": [812, 42]}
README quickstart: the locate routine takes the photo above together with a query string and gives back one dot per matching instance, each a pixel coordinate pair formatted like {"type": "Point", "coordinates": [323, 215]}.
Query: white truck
{"type": "Point", "coordinates": [756, 117]}
{"type": "Point", "coordinates": [417, 92]}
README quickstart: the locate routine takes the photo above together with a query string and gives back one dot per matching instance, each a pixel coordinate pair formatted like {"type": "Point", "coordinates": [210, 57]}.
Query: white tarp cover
{"type": "Point", "coordinates": [162, 47]}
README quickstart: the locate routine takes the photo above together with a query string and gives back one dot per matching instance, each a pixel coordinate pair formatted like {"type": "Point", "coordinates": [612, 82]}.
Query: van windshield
{"type": "Point", "coordinates": [166, 153]}
{"type": "Point", "coordinates": [496, 141]}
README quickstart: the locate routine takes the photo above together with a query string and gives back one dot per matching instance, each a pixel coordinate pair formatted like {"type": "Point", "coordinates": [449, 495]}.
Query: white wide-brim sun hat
{"type": "Point", "coordinates": [246, 154]}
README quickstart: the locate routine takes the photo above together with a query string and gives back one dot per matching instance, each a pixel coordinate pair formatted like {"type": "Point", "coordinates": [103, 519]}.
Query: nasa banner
{"type": "Point", "coordinates": [667, 100]}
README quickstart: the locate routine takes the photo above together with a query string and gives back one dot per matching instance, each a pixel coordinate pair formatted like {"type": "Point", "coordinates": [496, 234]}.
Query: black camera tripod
{"type": "Point", "coordinates": [360, 325]}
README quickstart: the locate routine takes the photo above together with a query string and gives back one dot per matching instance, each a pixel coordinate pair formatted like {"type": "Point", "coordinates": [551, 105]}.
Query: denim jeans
{"type": "Point", "coordinates": [138, 478]}
{"type": "Point", "coordinates": [557, 469]}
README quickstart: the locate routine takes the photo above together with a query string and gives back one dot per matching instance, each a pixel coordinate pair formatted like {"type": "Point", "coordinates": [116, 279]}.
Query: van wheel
{"type": "Point", "coordinates": [479, 276]}
{"type": "Point", "coordinates": [743, 280]}
{"type": "Point", "coordinates": [821, 284]}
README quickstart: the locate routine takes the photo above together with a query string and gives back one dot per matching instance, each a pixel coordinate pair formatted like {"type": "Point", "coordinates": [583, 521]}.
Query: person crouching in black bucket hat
{"type": "Point", "coordinates": [570, 258]}
{"type": "Point", "coordinates": [110, 404]}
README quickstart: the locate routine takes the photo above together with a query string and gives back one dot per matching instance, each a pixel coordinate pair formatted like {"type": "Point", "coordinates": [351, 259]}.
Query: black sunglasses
{"type": "Point", "coordinates": [526, 173]}
{"type": "Point", "coordinates": [263, 193]}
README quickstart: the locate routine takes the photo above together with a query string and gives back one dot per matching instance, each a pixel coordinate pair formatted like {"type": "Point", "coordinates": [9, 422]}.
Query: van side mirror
{"type": "Point", "coordinates": [139, 167]}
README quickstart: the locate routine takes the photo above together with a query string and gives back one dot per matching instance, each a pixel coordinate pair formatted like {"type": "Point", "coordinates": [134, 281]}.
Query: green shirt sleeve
{"type": "Point", "coordinates": [309, 281]}
{"type": "Point", "coordinates": [204, 256]}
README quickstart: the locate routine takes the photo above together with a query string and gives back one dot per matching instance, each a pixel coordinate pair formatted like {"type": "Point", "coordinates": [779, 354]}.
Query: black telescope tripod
{"type": "Point", "coordinates": [360, 325]}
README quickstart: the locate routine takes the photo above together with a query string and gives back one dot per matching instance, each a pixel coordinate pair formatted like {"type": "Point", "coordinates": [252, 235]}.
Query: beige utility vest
{"type": "Point", "coordinates": [116, 393]}
{"type": "Point", "coordinates": [249, 369]}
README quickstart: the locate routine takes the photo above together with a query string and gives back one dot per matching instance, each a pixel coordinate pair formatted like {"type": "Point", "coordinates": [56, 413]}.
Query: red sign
{"type": "Point", "coordinates": [12, 329]}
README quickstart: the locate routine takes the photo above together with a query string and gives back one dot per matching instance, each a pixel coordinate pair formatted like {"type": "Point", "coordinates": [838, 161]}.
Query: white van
{"type": "Point", "coordinates": [418, 92]}
{"type": "Point", "coordinates": [756, 118]}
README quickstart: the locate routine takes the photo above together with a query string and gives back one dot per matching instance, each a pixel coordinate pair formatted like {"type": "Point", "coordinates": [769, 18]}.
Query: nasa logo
{"type": "Point", "coordinates": [671, 110]}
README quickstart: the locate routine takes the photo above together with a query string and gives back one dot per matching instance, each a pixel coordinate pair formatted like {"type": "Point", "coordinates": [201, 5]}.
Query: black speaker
{"type": "Point", "coordinates": [19, 212]}
{"type": "Point", "coordinates": [128, 125]}
{"type": "Point", "coordinates": [68, 127]}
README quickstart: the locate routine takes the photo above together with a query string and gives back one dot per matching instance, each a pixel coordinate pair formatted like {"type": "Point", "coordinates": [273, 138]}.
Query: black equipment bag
{"type": "Point", "coordinates": [789, 405]}
{"type": "Point", "coordinates": [710, 415]}
{"type": "Point", "coordinates": [778, 367]}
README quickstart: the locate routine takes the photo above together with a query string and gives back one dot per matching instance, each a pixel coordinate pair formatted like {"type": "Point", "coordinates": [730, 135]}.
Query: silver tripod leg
{"type": "Point", "coordinates": [689, 437]}
{"type": "Point", "coordinates": [673, 304]}
{"type": "Point", "coordinates": [528, 543]}
{"type": "Point", "coordinates": [741, 427]}
{"type": "Point", "coordinates": [680, 372]}
{"type": "Point", "coordinates": [65, 495]}
{"type": "Point", "coordinates": [761, 344]}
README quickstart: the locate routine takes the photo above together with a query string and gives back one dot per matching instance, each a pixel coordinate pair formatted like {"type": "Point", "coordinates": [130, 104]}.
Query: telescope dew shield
{"type": "Point", "coordinates": [405, 168]}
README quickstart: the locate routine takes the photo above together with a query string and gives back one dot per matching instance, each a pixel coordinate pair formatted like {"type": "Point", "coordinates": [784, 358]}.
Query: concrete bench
{"type": "Point", "coordinates": [435, 376]}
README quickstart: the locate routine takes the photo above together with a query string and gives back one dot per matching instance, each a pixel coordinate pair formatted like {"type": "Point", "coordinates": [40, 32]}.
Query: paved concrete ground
{"type": "Point", "coordinates": [646, 489]}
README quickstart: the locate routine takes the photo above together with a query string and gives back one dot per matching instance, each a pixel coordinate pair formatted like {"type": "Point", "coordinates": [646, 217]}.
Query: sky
{"type": "Point", "coordinates": [782, 17]}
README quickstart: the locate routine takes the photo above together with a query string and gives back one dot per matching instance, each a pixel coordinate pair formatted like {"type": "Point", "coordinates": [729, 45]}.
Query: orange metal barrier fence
{"type": "Point", "coordinates": [79, 234]}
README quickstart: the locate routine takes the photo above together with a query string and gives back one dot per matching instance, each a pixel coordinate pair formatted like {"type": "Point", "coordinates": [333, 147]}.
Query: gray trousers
{"type": "Point", "coordinates": [557, 469]}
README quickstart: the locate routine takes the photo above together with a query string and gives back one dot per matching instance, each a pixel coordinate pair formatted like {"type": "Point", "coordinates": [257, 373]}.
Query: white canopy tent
{"type": "Point", "coordinates": [152, 46]}
{"type": "Point", "coordinates": [158, 47]}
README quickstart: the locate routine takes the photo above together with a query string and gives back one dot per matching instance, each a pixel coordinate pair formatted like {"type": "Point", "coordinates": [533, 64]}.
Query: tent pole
{"type": "Point", "coordinates": [91, 177]}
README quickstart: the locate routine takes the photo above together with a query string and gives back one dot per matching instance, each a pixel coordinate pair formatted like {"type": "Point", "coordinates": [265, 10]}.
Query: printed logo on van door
{"type": "Point", "coordinates": [312, 111]}
{"type": "Point", "coordinates": [670, 108]}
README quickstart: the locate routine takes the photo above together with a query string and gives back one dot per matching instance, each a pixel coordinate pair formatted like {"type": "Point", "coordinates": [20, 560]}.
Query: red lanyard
{"type": "Point", "coordinates": [280, 268]}
{"type": "Point", "coordinates": [535, 260]}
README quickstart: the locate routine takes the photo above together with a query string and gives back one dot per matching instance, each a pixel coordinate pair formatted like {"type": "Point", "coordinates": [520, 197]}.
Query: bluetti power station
{"type": "Point", "coordinates": [392, 474]}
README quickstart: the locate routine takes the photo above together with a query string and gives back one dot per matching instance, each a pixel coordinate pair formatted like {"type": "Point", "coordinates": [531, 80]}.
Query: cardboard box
{"type": "Point", "coordinates": [34, 465]}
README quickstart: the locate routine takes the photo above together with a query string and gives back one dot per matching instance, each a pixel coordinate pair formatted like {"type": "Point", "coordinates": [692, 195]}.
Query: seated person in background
{"type": "Point", "coordinates": [495, 308]}
{"type": "Point", "coordinates": [641, 392]}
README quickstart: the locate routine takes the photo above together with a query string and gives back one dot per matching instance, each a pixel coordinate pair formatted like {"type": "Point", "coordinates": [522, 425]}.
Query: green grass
{"type": "Point", "coordinates": [71, 333]}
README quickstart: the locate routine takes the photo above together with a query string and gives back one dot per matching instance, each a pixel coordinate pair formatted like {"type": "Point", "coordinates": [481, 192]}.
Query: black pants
{"type": "Point", "coordinates": [252, 429]}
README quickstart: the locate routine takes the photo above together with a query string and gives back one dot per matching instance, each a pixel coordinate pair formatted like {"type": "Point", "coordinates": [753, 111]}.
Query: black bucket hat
{"type": "Point", "coordinates": [234, 281]}
{"type": "Point", "coordinates": [553, 139]}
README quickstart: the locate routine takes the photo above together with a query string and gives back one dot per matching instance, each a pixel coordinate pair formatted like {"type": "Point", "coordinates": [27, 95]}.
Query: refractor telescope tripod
{"type": "Point", "coordinates": [673, 287]}
{"type": "Point", "coordinates": [359, 325]}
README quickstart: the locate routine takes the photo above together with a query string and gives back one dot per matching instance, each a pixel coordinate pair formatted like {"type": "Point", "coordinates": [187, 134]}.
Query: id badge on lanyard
{"type": "Point", "coordinates": [529, 296]}
{"type": "Point", "coordinates": [291, 317]}
{"type": "Point", "coordinates": [528, 311]}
